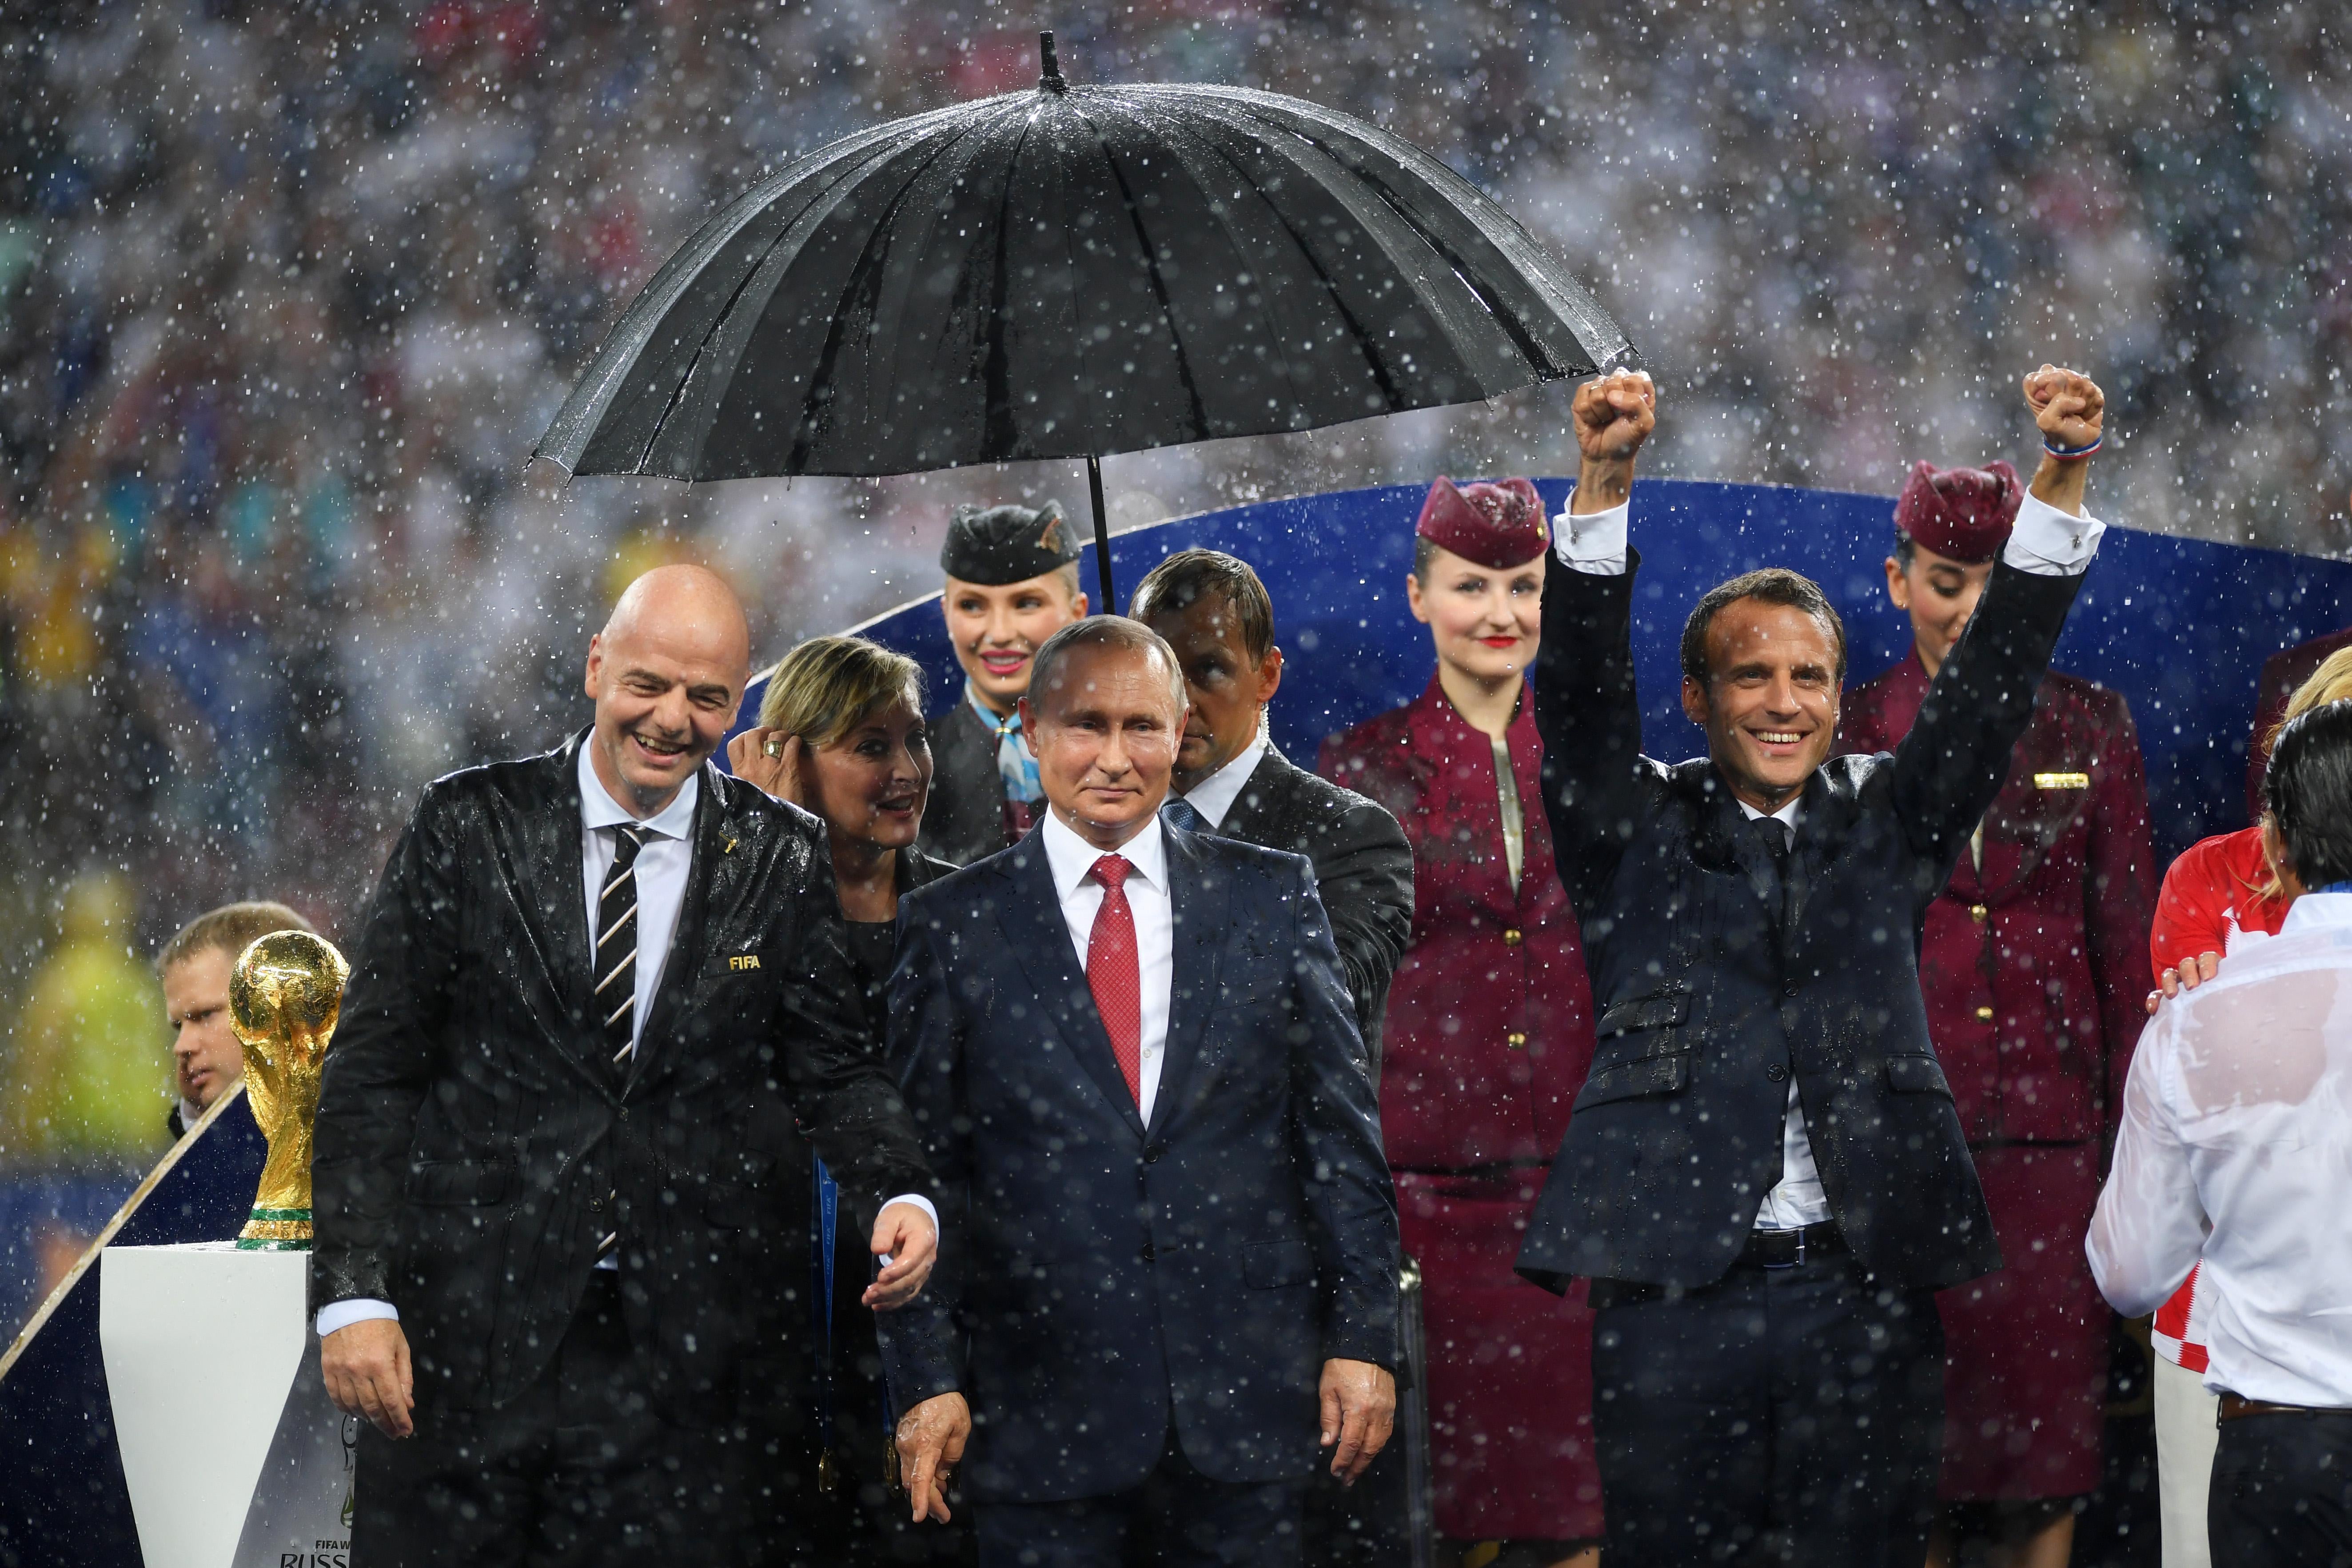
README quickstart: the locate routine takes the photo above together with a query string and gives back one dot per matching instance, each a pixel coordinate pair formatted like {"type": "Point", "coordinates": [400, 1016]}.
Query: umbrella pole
{"type": "Point", "coordinates": [1109, 605]}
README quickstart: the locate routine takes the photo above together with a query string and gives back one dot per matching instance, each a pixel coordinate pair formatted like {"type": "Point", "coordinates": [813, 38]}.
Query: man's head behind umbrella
{"type": "Point", "coordinates": [1104, 715]}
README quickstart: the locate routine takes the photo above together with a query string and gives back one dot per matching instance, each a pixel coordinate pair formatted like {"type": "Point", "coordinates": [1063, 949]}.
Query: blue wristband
{"type": "Point", "coordinates": [2068, 454]}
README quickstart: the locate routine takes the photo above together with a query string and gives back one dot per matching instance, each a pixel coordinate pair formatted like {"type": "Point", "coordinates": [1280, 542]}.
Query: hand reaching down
{"type": "Point", "coordinates": [366, 1369]}
{"type": "Point", "coordinates": [1359, 1413]}
{"type": "Point", "coordinates": [908, 1243]}
{"type": "Point", "coordinates": [932, 1438]}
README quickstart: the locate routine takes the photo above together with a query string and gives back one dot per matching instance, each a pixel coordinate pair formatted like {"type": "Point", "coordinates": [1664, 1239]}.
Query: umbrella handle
{"type": "Point", "coordinates": [1109, 605]}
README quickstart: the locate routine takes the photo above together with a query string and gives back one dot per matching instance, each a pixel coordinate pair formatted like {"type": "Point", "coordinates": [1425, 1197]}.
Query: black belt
{"type": "Point", "coordinates": [1786, 1249]}
{"type": "Point", "coordinates": [2235, 1407]}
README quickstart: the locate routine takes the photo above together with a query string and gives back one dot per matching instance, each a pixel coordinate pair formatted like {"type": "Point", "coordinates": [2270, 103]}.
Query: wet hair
{"type": "Point", "coordinates": [1178, 582]}
{"type": "Point", "coordinates": [230, 929]}
{"type": "Point", "coordinates": [2307, 793]}
{"type": "Point", "coordinates": [1102, 632]}
{"type": "Point", "coordinates": [2331, 682]}
{"type": "Point", "coordinates": [828, 686]}
{"type": "Point", "coordinates": [1773, 586]}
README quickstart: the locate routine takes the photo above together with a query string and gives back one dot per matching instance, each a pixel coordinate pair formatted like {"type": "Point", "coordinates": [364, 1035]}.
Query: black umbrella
{"type": "Point", "coordinates": [1068, 273]}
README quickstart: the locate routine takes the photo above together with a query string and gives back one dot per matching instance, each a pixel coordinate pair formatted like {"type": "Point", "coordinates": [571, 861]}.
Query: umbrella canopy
{"type": "Point", "coordinates": [1068, 273]}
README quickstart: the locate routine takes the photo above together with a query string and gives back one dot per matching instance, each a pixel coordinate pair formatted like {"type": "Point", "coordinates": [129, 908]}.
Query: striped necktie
{"type": "Point", "coordinates": [617, 968]}
{"type": "Point", "coordinates": [616, 946]}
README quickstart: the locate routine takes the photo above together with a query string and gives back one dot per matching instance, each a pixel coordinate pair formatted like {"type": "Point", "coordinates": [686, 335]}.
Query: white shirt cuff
{"type": "Point", "coordinates": [918, 1200]}
{"type": "Point", "coordinates": [1593, 541]}
{"type": "Point", "coordinates": [921, 1203]}
{"type": "Point", "coordinates": [358, 1310]}
{"type": "Point", "coordinates": [2049, 542]}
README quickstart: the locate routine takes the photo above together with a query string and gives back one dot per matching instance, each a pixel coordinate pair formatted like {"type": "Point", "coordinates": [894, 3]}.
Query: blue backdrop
{"type": "Point", "coordinates": [2180, 627]}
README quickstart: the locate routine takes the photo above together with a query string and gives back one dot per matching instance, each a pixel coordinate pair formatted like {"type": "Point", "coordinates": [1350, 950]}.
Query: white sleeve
{"type": "Point", "coordinates": [1593, 542]}
{"type": "Point", "coordinates": [2049, 542]}
{"type": "Point", "coordinates": [358, 1310]}
{"type": "Point", "coordinates": [2149, 1226]}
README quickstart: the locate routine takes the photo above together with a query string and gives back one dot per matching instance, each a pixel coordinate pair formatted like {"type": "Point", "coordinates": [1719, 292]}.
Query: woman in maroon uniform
{"type": "Point", "coordinates": [2034, 970]}
{"type": "Point", "coordinates": [1489, 1033]}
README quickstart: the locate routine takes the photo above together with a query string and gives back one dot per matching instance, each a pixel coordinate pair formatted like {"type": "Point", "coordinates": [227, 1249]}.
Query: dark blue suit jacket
{"type": "Point", "coordinates": [1718, 982]}
{"type": "Point", "coordinates": [1102, 1281]}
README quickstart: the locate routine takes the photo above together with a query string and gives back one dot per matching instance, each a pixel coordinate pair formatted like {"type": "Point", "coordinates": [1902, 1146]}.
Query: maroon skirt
{"type": "Point", "coordinates": [1510, 1366]}
{"type": "Point", "coordinates": [2025, 1369]}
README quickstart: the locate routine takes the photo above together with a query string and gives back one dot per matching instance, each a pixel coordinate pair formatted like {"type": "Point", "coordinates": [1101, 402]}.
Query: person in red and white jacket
{"type": "Point", "coordinates": [2219, 896]}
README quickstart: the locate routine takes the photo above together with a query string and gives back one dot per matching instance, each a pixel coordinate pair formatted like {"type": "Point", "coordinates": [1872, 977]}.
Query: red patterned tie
{"type": "Point", "coordinates": [1114, 974]}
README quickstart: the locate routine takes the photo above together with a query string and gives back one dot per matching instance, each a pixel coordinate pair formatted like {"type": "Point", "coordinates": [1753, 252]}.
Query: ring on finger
{"type": "Point", "coordinates": [774, 748]}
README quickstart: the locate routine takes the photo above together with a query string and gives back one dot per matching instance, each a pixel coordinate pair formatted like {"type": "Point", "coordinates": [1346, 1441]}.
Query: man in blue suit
{"type": "Point", "coordinates": [1172, 1244]}
{"type": "Point", "coordinates": [1764, 1176]}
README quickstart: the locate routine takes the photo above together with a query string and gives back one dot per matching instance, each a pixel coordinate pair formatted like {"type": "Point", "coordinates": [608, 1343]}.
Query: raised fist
{"type": "Point", "coordinates": [2067, 405]}
{"type": "Point", "coordinates": [1614, 413]}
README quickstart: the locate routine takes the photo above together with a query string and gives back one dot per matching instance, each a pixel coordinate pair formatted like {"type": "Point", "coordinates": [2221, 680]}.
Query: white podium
{"type": "Point", "coordinates": [233, 1455]}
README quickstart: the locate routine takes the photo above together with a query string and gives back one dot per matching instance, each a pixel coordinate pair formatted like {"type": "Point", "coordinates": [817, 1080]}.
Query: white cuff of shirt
{"type": "Point", "coordinates": [2049, 542]}
{"type": "Point", "coordinates": [1593, 541]}
{"type": "Point", "coordinates": [358, 1310]}
{"type": "Point", "coordinates": [921, 1203]}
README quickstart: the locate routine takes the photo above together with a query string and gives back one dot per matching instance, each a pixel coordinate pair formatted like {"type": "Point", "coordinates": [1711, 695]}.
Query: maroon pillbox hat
{"type": "Point", "coordinates": [1495, 525]}
{"type": "Point", "coordinates": [1962, 514]}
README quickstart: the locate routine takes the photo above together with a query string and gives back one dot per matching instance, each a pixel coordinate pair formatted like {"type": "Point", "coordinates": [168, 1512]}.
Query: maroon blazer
{"type": "Point", "coordinates": [2035, 969]}
{"type": "Point", "coordinates": [1490, 1020]}
{"type": "Point", "coordinates": [2281, 673]}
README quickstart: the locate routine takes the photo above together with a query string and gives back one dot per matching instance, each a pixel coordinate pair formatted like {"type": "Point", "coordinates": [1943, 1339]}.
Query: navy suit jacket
{"type": "Point", "coordinates": [1718, 981]}
{"type": "Point", "coordinates": [1101, 1282]}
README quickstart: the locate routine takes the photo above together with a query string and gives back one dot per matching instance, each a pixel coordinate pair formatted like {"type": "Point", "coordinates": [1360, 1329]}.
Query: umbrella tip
{"type": "Point", "coordinates": [1052, 80]}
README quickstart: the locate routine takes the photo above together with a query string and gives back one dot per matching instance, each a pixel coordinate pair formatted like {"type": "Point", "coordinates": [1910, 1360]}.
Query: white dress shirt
{"type": "Point", "coordinates": [1070, 858]}
{"type": "Point", "coordinates": [663, 865]}
{"type": "Point", "coordinates": [2236, 1146]}
{"type": "Point", "coordinates": [1214, 795]}
{"type": "Point", "coordinates": [2045, 541]}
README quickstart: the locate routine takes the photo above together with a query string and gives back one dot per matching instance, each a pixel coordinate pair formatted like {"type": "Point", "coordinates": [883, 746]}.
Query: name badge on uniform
{"type": "Point", "coordinates": [2062, 781]}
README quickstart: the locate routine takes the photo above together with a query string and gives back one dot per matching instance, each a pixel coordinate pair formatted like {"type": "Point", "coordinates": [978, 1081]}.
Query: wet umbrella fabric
{"type": "Point", "coordinates": [1068, 273]}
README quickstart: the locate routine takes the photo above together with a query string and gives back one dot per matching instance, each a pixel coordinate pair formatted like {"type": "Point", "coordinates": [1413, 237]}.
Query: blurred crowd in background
{"type": "Point", "coordinates": [288, 292]}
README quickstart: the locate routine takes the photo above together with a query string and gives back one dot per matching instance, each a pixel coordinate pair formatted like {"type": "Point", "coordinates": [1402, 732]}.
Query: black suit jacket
{"type": "Point", "coordinates": [1104, 1282]}
{"type": "Point", "coordinates": [964, 819]}
{"type": "Point", "coordinates": [471, 1124]}
{"type": "Point", "coordinates": [1715, 980]}
{"type": "Point", "coordinates": [1364, 871]}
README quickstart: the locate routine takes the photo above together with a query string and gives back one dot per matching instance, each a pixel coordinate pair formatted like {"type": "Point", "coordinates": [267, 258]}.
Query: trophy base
{"type": "Point", "coordinates": [276, 1230]}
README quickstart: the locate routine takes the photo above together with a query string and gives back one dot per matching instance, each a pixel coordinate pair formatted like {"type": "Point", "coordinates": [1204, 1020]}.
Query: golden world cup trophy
{"type": "Point", "coordinates": [284, 996]}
